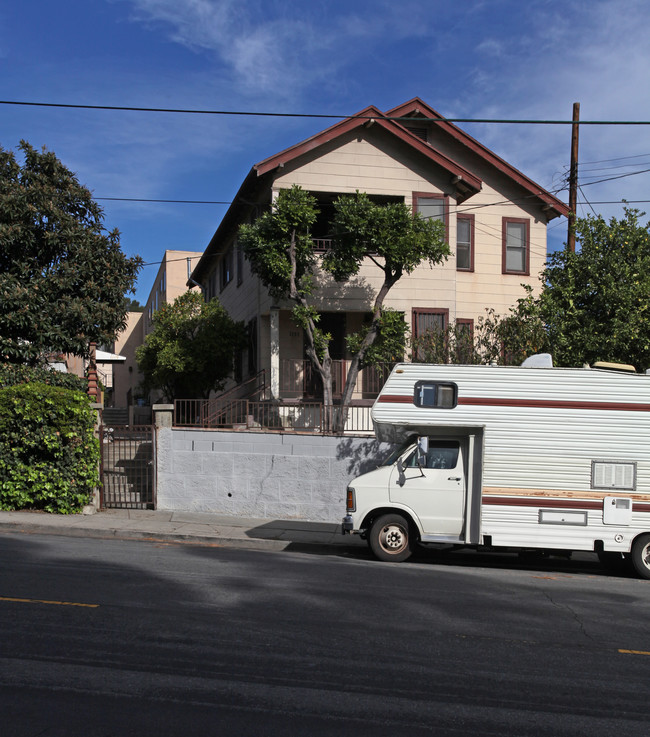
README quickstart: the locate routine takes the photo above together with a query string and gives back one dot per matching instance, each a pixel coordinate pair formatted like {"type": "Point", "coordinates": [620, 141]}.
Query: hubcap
{"type": "Point", "coordinates": [393, 538]}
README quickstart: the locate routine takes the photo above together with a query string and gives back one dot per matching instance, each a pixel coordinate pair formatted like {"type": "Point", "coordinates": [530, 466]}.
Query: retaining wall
{"type": "Point", "coordinates": [255, 474]}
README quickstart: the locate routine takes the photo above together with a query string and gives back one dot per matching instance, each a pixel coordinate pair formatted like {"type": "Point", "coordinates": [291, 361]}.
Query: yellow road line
{"type": "Point", "coordinates": [634, 652]}
{"type": "Point", "coordinates": [45, 601]}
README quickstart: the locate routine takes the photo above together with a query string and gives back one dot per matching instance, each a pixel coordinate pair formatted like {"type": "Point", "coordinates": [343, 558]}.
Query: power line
{"type": "Point", "coordinates": [332, 116]}
{"type": "Point", "coordinates": [174, 202]}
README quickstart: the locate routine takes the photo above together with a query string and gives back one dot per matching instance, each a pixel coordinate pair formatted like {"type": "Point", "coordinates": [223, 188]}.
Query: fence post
{"type": "Point", "coordinates": [95, 502]}
{"type": "Point", "coordinates": [163, 415]}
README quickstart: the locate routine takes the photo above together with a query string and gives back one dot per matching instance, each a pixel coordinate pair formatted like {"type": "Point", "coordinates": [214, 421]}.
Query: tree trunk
{"type": "Point", "coordinates": [353, 372]}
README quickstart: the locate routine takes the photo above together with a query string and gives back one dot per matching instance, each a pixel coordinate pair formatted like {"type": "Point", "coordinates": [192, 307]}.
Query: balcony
{"type": "Point", "coordinates": [299, 380]}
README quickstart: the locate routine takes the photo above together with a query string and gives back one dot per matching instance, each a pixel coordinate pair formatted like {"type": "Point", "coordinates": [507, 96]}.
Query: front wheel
{"type": "Point", "coordinates": [641, 556]}
{"type": "Point", "coordinates": [390, 538]}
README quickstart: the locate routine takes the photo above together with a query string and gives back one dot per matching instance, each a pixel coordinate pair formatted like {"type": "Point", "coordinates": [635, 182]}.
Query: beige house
{"type": "Point", "coordinates": [495, 220]}
{"type": "Point", "coordinates": [170, 282]}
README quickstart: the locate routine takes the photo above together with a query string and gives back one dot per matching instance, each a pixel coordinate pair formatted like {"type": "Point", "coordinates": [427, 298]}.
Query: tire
{"type": "Point", "coordinates": [641, 556]}
{"type": "Point", "coordinates": [390, 538]}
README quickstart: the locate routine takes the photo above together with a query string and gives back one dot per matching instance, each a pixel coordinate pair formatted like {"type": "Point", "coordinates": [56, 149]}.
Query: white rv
{"type": "Point", "coordinates": [509, 456]}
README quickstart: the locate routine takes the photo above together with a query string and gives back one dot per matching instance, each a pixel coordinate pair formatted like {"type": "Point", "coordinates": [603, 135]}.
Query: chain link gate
{"type": "Point", "coordinates": [128, 467]}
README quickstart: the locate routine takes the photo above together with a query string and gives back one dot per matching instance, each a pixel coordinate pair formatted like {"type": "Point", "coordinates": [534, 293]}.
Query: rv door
{"type": "Point", "coordinates": [433, 485]}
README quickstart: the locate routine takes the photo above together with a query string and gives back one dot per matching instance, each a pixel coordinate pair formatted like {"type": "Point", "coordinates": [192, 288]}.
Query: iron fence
{"type": "Point", "coordinates": [243, 414]}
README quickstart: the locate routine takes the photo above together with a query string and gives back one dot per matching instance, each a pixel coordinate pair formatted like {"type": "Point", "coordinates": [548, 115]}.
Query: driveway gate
{"type": "Point", "coordinates": [128, 468]}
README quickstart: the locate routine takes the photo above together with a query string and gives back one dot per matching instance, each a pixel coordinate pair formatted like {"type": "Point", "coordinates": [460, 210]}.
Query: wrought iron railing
{"type": "Point", "coordinates": [244, 414]}
{"type": "Point", "coordinates": [298, 379]}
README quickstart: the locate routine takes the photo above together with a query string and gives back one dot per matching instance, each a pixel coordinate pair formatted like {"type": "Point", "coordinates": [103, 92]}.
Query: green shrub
{"type": "Point", "coordinates": [49, 454]}
{"type": "Point", "coordinates": [16, 373]}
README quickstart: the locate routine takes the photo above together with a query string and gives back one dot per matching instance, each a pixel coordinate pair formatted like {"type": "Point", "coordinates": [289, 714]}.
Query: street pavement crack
{"type": "Point", "coordinates": [571, 611]}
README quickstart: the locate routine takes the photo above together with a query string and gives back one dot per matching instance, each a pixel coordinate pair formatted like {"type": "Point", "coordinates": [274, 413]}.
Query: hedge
{"type": "Point", "coordinates": [49, 455]}
{"type": "Point", "coordinates": [15, 373]}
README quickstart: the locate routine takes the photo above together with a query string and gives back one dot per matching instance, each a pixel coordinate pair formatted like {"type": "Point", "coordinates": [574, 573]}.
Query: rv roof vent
{"type": "Point", "coordinates": [609, 366]}
{"type": "Point", "coordinates": [539, 360]}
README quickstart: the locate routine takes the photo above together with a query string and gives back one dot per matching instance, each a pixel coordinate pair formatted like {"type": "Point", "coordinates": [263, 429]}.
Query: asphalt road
{"type": "Point", "coordinates": [109, 637]}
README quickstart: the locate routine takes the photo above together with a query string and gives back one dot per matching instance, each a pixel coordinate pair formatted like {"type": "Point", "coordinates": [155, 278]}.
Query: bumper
{"type": "Point", "coordinates": [347, 525]}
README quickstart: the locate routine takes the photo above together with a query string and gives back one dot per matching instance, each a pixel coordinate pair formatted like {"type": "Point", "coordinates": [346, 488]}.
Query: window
{"type": "Point", "coordinates": [427, 320]}
{"type": "Point", "coordinates": [464, 343]}
{"type": "Point", "coordinates": [431, 205]}
{"type": "Point", "coordinates": [465, 243]}
{"type": "Point", "coordinates": [429, 328]}
{"type": "Point", "coordinates": [516, 246]}
{"type": "Point", "coordinates": [226, 269]}
{"type": "Point", "coordinates": [440, 454]}
{"type": "Point", "coordinates": [251, 341]}
{"type": "Point", "coordinates": [240, 264]}
{"type": "Point", "coordinates": [435, 394]}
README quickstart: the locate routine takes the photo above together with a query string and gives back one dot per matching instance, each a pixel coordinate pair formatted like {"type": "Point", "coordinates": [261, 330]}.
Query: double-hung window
{"type": "Point", "coordinates": [432, 206]}
{"type": "Point", "coordinates": [465, 243]}
{"type": "Point", "coordinates": [226, 269]}
{"type": "Point", "coordinates": [516, 246]}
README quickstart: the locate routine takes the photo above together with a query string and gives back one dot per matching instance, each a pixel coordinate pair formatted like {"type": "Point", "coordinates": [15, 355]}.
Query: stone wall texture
{"type": "Point", "coordinates": [264, 475]}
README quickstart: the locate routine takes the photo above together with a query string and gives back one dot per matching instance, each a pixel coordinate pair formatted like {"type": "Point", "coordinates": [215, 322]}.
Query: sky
{"type": "Point", "coordinates": [488, 59]}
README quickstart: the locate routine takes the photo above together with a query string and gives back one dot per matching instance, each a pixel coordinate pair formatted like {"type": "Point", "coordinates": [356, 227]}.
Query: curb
{"type": "Point", "coordinates": [115, 533]}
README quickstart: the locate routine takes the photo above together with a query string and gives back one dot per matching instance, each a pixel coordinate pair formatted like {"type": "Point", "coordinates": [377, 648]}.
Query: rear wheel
{"type": "Point", "coordinates": [641, 556]}
{"type": "Point", "coordinates": [390, 538]}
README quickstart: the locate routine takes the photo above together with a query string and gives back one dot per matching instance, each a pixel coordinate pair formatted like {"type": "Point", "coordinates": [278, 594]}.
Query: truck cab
{"type": "Point", "coordinates": [419, 494]}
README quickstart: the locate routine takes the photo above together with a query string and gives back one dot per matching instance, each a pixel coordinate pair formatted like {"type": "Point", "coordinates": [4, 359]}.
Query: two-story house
{"type": "Point", "coordinates": [495, 219]}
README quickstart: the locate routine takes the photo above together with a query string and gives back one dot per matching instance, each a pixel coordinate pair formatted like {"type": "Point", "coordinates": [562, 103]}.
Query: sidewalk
{"type": "Point", "coordinates": [185, 527]}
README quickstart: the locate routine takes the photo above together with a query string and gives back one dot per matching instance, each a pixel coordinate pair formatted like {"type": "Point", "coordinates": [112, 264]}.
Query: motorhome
{"type": "Point", "coordinates": [526, 457]}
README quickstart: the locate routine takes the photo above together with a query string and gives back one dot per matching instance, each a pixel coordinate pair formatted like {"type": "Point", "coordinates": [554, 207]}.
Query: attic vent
{"type": "Point", "coordinates": [613, 475]}
{"type": "Point", "coordinates": [422, 133]}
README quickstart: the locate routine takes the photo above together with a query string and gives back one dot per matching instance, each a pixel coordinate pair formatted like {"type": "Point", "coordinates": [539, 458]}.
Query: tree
{"type": "Point", "coordinates": [595, 303]}
{"type": "Point", "coordinates": [503, 339]}
{"type": "Point", "coordinates": [280, 250]}
{"type": "Point", "coordinates": [191, 349]}
{"type": "Point", "coordinates": [63, 277]}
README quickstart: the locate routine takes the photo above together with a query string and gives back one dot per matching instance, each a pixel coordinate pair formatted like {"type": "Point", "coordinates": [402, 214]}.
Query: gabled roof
{"type": "Point", "coordinates": [467, 182]}
{"type": "Point", "coordinates": [416, 107]}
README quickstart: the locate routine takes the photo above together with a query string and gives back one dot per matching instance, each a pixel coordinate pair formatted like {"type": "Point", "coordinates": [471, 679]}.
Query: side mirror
{"type": "Point", "coordinates": [423, 449]}
{"type": "Point", "coordinates": [401, 478]}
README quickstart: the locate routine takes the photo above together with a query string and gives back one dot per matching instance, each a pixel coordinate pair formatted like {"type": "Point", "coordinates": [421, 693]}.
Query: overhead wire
{"type": "Point", "coordinates": [369, 116]}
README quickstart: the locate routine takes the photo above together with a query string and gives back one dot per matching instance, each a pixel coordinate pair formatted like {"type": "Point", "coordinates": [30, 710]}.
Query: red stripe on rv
{"type": "Point", "coordinates": [538, 403]}
{"type": "Point", "coordinates": [554, 403]}
{"type": "Point", "coordinates": [395, 398]}
{"type": "Point", "coordinates": [521, 501]}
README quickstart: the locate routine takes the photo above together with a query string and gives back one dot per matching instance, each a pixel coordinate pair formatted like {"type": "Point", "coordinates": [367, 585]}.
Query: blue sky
{"type": "Point", "coordinates": [472, 59]}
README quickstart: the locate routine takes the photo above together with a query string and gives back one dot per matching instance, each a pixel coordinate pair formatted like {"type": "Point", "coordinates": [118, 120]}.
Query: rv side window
{"type": "Point", "coordinates": [435, 394]}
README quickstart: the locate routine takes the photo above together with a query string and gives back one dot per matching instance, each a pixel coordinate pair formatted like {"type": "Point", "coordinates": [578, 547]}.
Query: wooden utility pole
{"type": "Point", "coordinates": [573, 179]}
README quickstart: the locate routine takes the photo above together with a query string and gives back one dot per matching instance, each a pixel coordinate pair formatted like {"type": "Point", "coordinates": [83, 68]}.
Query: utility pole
{"type": "Point", "coordinates": [573, 179]}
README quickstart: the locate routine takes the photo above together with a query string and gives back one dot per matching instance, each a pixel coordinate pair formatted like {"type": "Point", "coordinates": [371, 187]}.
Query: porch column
{"type": "Point", "coordinates": [274, 325]}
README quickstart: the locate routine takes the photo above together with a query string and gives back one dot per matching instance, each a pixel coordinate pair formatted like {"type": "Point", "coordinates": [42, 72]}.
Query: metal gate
{"type": "Point", "coordinates": [128, 467]}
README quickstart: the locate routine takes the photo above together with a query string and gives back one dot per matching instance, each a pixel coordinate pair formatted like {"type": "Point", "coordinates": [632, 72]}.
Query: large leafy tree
{"type": "Point", "coordinates": [596, 302]}
{"type": "Point", "coordinates": [63, 277]}
{"type": "Point", "coordinates": [280, 250]}
{"type": "Point", "coordinates": [191, 349]}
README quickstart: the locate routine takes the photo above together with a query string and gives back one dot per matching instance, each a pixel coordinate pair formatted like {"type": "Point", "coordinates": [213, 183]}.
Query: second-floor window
{"type": "Point", "coordinates": [516, 246]}
{"type": "Point", "coordinates": [432, 206]}
{"type": "Point", "coordinates": [226, 269]}
{"type": "Point", "coordinates": [465, 243]}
